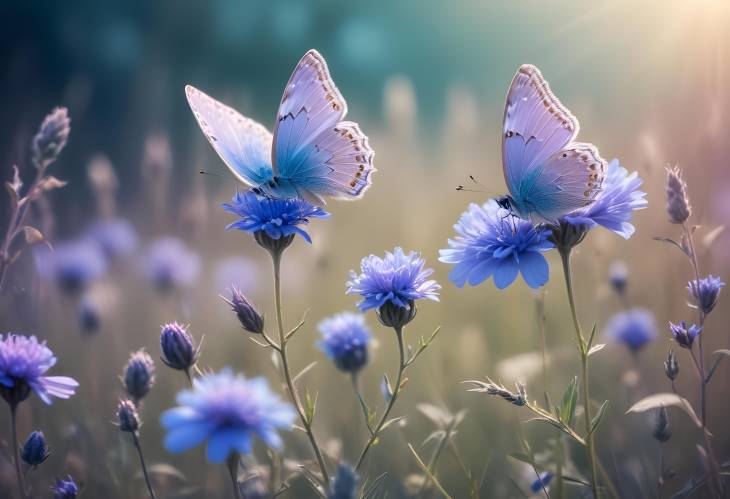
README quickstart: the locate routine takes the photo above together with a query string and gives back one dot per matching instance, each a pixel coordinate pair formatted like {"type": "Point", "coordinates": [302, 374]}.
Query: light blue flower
{"type": "Point", "coordinates": [276, 217]}
{"type": "Point", "coordinates": [23, 365]}
{"type": "Point", "coordinates": [345, 339]}
{"type": "Point", "coordinates": [491, 242]}
{"type": "Point", "coordinates": [345, 483]}
{"type": "Point", "coordinates": [614, 204]}
{"type": "Point", "coordinates": [397, 278]}
{"type": "Point", "coordinates": [634, 328]}
{"type": "Point", "coordinates": [227, 410]}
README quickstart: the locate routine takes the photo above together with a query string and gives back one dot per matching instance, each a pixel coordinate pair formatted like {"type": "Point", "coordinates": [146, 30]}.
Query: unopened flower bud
{"type": "Point", "coordinates": [678, 207]}
{"type": "Point", "coordinates": [51, 137]}
{"type": "Point", "coordinates": [34, 450]}
{"type": "Point", "coordinates": [127, 416]}
{"type": "Point", "coordinates": [248, 316]}
{"type": "Point", "coordinates": [139, 375]}
{"type": "Point", "coordinates": [671, 366]}
{"type": "Point", "coordinates": [178, 350]}
{"type": "Point", "coordinates": [662, 431]}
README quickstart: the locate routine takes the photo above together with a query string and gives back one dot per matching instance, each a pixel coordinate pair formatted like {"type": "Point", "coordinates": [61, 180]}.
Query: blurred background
{"type": "Point", "coordinates": [426, 80]}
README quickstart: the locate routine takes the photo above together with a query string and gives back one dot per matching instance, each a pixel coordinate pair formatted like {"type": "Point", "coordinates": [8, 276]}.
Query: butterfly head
{"type": "Point", "coordinates": [506, 203]}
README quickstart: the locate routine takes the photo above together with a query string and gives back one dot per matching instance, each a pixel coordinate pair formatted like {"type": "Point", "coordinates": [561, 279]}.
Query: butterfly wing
{"type": "Point", "coordinates": [316, 154]}
{"type": "Point", "coordinates": [545, 171]}
{"type": "Point", "coordinates": [243, 144]}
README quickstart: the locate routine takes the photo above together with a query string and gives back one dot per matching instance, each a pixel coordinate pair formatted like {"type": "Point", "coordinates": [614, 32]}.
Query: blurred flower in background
{"type": "Point", "coordinates": [239, 271]}
{"type": "Point", "coordinates": [227, 410]}
{"type": "Point", "coordinates": [170, 264]}
{"type": "Point", "coordinates": [116, 237]}
{"type": "Point", "coordinates": [345, 339]}
{"type": "Point", "coordinates": [634, 328]}
{"type": "Point", "coordinates": [73, 265]}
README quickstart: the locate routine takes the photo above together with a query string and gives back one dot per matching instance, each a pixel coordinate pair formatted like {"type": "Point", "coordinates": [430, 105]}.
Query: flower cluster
{"type": "Point", "coordinates": [684, 335]}
{"type": "Point", "coordinates": [24, 362]}
{"type": "Point", "coordinates": [345, 339]}
{"type": "Point", "coordinates": [227, 410]}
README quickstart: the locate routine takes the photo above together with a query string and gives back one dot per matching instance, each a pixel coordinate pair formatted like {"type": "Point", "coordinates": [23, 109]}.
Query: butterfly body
{"type": "Point", "coordinates": [313, 153]}
{"type": "Point", "coordinates": [547, 172]}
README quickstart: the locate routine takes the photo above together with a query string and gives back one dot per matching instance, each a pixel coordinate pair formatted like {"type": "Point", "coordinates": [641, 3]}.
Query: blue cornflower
{"type": "Point", "coordinates": [614, 204]}
{"type": "Point", "coordinates": [683, 335]}
{"type": "Point", "coordinates": [23, 363]}
{"type": "Point", "coordinates": [634, 328]}
{"type": "Point", "coordinates": [345, 483]}
{"type": "Point", "coordinates": [170, 264]}
{"type": "Point", "coordinates": [73, 265]}
{"type": "Point", "coordinates": [491, 242]}
{"type": "Point", "coordinates": [115, 236]}
{"type": "Point", "coordinates": [398, 278]}
{"type": "Point", "coordinates": [705, 294]}
{"type": "Point", "coordinates": [65, 488]}
{"type": "Point", "coordinates": [276, 217]}
{"type": "Point", "coordinates": [227, 410]}
{"type": "Point", "coordinates": [345, 339]}
{"type": "Point", "coordinates": [543, 481]}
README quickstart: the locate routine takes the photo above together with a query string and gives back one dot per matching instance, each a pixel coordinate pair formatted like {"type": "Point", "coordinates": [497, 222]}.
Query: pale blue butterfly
{"type": "Point", "coordinates": [548, 174]}
{"type": "Point", "coordinates": [312, 154]}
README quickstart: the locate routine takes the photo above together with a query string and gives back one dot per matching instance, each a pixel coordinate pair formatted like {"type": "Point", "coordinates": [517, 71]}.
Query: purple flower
{"type": "Point", "coordinates": [115, 236]}
{"type": "Point", "coordinates": [634, 328]}
{"type": "Point", "coordinates": [178, 350]}
{"type": "Point", "coordinates": [683, 335]}
{"type": "Point", "coordinates": [73, 265]}
{"type": "Point", "coordinates": [23, 364]}
{"type": "Point", "coordinates": [227, 410]}
{"type": "Point", "coordinates": [276, 217]}
{"type": "Point", "coordinates": [705, 294]}
{"type": "Point", "coordinates": [345, 339]}
{"type": "Point", "coordinates": [398, 278]}
{"type": "Point", "coordinates": [65, 488]}
{"type": "Point", "coordinates": [170, 264]}
{"type": "Point", "coordinates": [491, 242]}
{"type": "Point", "coordinates": [543, 481]}
{"type": "Point", "coordinates": [614, 204]}
{"type": "Point", "coordinates": [35, 450]}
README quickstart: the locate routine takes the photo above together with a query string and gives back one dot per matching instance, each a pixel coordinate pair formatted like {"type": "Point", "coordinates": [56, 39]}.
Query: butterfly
{"type": "Point", "coordinates": [313, 153]}
{"type": "Point", "coordinates": [548, 173]}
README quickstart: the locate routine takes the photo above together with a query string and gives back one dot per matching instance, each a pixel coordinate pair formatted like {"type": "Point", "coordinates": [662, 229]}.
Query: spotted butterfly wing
{"type": "Point", "coordinates": [547, 173]}
{"type": "Point", "coordinates": [243, 144]}
{"type": "Point", "coordinates": [317, 153]}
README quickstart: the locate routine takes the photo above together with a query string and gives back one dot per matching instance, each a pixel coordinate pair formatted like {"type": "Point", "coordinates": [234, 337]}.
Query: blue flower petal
{"type": "Point", "coordinates": [534, 269]}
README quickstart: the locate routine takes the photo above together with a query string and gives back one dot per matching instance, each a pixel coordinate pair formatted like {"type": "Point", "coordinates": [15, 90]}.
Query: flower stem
{"type": "Point", "coordinates": [276, 260]}
{"type": "Point", "coordinates": [135, 438]}
{"type": "Point", "coordinates": [590, 442]}
{"type": "Point", "coordinates": [396, 391]}
{"type": "Point", "coordinates": [16, 449]}
{"type": "Point", "coordinates": [232, 463]}
{"type": "Point", "coordinates": [716, 480]}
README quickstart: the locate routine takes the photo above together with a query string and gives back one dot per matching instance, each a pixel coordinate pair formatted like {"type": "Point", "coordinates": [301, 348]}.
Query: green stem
{"type": "Point", "coordinates": [135, 438]}
{"type": "Point", "coordinates": [436, 456]}
{"type": "Point", "coordinates": [396, 391]}
{"type": "Point", "coordinates": [276, 260]}
{"type": "Point", "coordinates": [16, 449]}
{"type": "Point", "coordinates": [363, 405]}
{"type": "Point", "coordinates": [590, 442]}
{"type": "Point", "coordinates": [232, 464]}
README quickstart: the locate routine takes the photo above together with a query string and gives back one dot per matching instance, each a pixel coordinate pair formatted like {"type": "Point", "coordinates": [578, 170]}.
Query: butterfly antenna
{"type": "Point", "coordinates": [203, 172]}
{"type": "Point", "coordinates": [481, 188]}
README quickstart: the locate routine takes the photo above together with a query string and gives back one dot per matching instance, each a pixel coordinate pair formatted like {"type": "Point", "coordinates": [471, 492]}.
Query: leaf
{"type": "Point", "coordinates": [385, 389]}
{"type": "Point", "coordinates": [719, 355]}
{"type": "Point", "coordinates": [391, 421]}
{"type": "Point", "coordinates": [310, 405]}
{"type": "Point", "coordinates": [437, 415]}
{"type": "Point", "coordinates": [672, 241]}
{"type": "Point", "coordinates": [593, 334]}
{"type": "Point", "coordinates": [304, 371]}
{"type": "Point", "coordinates": [166, 469]}
{"type": "Point", "coordinates": [520, 456]}
{"type": "Point", "coordinates": [567, 404]}
{"type": "Point", "coordinates": [373, 488]}
{"type": "Point", "coordinates": [50, 182]}
{"type": "Point", "coordinates": [596, 348]}
{"type": "Point", "coordinates": [34, 236]}
{"type": "Point", "coordinates": [598, 417]}
{"type": "Point", "coordinates": [428, 473]}
{"type": "Point", "coordinates": [712, 236]}
{"type": "Point", "coordinates": [658, 400]}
